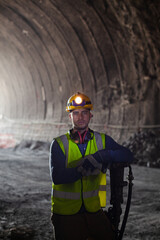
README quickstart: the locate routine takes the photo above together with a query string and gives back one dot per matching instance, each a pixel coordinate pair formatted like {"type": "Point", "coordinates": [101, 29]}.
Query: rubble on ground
{"type": "Point", "coordinates": [33, 145]}
{"type": "Point", "coordinates": [17, 233]}
{"type": "Point", "coordinates": [145, 146]}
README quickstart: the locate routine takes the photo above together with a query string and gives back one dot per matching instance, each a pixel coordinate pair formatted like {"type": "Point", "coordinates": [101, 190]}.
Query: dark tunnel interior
{"type": "Point", "coordinates": [51, 49]}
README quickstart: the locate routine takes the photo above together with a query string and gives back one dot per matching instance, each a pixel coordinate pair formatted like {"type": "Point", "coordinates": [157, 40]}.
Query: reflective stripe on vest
{"type": "Point", "coordinates": [102, 187]}
{"type": "Point", "coordinates": [90, 194]}
{"type": "Point", "coordinates": [65, 145]}
{"type": "Point", "coordinates": [66, 195]}
{"type": "Point", "coordinates": [98, 140]}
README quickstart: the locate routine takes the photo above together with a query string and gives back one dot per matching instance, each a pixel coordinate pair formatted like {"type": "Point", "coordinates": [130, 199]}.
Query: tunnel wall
{"type": "Point", "coordinates": [107, 49]}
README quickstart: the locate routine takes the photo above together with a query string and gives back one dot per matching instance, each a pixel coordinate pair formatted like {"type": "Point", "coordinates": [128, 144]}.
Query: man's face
{"type": "Point", "coordinates": [80, 118]}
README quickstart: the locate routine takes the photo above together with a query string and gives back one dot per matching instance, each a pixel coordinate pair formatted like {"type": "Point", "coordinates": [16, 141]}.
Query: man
{"type": "Point", "coordinates": [78, 163]}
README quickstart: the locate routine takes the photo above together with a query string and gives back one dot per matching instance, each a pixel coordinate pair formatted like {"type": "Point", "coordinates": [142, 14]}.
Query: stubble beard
{"type": "Point", "coordinates": [77, 128]}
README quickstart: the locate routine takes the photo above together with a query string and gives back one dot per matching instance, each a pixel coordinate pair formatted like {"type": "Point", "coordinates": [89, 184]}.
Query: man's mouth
{"type": "Point", "coordinates": [81, 122]}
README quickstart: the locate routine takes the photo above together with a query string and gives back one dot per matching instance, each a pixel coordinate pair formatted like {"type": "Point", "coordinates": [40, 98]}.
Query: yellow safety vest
{"type": "Point", "coordinates": [67, 198]}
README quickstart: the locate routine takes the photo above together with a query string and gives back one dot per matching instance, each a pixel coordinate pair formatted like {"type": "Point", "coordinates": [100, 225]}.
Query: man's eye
{"type": "Point", "coordinates": [75, 113]}
{"type": "Point", "coordinates": [85, 112]}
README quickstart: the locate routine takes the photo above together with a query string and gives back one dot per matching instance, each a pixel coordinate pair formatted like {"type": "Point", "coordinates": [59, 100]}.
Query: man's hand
{"type": "Point", "coordinates": [89, 166]}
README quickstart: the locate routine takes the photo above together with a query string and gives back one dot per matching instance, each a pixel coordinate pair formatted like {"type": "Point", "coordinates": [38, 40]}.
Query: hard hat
{"type": "Point", "coordinates": [78, 100]}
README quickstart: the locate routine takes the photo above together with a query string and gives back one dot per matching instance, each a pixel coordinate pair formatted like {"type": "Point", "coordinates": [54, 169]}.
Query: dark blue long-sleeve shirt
{"type": "Point", "coordinates": [113, 152]}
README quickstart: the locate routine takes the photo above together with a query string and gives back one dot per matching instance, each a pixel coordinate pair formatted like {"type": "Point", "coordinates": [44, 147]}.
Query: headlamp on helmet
{"type": "Point", "coordinates": [77, 101]}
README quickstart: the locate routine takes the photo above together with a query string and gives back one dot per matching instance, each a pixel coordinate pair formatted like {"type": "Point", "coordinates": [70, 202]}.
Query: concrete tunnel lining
{"type": "Point", "coordinates": [50, 49]}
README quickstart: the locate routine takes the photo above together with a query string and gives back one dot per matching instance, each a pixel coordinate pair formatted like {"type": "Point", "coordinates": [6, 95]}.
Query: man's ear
{"type": "Point", "coordinates": [91, 115]}
{"type": "Point", "coordinates": [69, 115]}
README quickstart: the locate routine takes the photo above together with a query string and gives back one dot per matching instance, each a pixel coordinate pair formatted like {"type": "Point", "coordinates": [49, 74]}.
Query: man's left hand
{"type": "Point", "coordinates": [89, 166]}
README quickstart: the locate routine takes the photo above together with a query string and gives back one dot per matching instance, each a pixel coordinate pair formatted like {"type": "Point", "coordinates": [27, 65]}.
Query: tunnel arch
{"type": "Point", "coordinates": [50, 49]}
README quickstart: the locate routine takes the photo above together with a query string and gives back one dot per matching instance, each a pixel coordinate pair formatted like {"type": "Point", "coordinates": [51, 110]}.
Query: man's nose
{"type": "Point", "coordinates": [80, 115]}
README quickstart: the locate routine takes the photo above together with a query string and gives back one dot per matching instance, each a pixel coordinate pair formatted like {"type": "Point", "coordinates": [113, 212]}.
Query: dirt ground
{"type": "Point", "coordinates": [25, 188]}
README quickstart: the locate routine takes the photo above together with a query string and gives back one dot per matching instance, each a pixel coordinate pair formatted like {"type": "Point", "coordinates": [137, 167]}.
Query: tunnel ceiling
{"type": "Point", "coordinates": [109, 50]}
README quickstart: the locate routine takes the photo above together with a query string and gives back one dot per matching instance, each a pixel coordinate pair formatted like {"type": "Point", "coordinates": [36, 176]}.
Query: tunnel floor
{"type": "Point", "coordinates": [25, 198]}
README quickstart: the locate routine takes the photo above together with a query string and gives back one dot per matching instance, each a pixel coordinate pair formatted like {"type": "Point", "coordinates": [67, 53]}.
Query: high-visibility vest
{"type": "Point", "coordinates": [67, 198]}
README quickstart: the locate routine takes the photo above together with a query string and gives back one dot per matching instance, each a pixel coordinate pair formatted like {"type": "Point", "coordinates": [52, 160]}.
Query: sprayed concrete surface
{"type": "Point", "coordinates": [25, 198]}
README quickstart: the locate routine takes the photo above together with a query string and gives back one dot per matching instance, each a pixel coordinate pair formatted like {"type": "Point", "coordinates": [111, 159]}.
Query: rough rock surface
{"type": "Point", "coordinates": [145, 147]}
